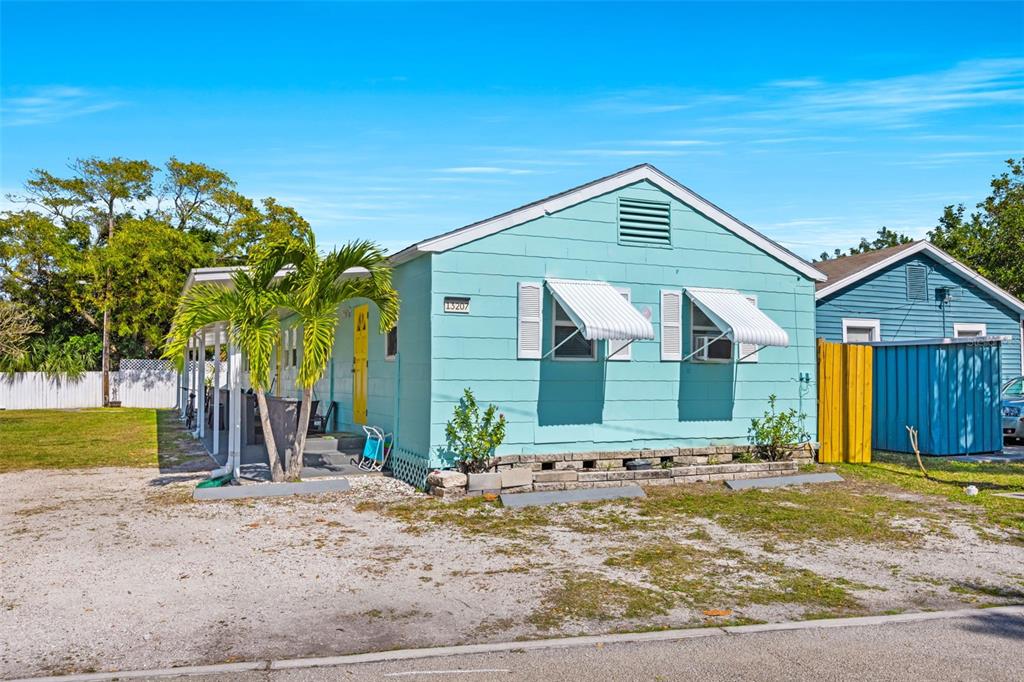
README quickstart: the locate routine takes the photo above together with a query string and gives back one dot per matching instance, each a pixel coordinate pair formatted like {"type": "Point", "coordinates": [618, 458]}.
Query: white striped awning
{"type": "Point", "coordinates": [737, 317]}
{"type": "Point", "coordinates": [599, 310]}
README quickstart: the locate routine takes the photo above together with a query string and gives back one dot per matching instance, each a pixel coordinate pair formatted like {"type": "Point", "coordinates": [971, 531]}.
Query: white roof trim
{"type": "Point", "coordinates": [963, 340]}
{"type": "Point", "coordinates": [737, 317]}
{"type": "Point", "coordinates": [599, 310]}
{"type": "Point", "coordinates": [222, 275]}
{"type": "Point", "coordinates": [938, 254]}
{"type": "Point", "coordinates": [583, 193]}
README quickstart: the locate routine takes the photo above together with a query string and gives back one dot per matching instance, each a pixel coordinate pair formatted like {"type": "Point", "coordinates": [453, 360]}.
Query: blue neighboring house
{"type": "Point", "coordinates": [916, 291]}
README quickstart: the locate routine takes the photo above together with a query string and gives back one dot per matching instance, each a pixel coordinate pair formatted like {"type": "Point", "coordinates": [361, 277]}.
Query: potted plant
{"type": "Point", "coordinates": [473, 437]}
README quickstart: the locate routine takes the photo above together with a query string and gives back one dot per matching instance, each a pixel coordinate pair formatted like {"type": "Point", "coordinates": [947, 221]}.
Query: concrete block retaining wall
{"type": "Point", "coordinates": [671, 466]}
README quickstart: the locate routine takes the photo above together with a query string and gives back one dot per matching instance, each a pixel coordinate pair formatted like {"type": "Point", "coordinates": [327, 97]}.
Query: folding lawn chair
{"type": "Point", "coordinates": [376, 450]}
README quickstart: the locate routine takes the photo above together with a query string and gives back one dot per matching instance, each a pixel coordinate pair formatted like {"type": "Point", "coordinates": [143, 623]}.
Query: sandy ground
{"type": "Point", "coordinates": [108, 569]}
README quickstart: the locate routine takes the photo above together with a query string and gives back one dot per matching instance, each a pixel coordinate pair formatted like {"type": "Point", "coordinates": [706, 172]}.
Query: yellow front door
{"type": "Point", "coordinates": [360, 345]}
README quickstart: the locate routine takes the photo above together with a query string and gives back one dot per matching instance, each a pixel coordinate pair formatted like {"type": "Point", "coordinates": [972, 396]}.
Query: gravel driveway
{"type": "Point", "coordinates": [107, 569]}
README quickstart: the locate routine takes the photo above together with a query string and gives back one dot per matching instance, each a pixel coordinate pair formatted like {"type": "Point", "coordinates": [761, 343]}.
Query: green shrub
{"type": "Point", "coordinates": [776, 432]}
{"type": "Point", "coordinates": [472, 437]}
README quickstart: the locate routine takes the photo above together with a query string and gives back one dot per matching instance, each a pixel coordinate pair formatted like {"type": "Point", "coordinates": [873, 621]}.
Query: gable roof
{"type": "Point", "coordinates": [840, 268]}
{"type": "Point", "coordinates": [848, 270]}
{"type": "Point", "coordinates": [577, 195]}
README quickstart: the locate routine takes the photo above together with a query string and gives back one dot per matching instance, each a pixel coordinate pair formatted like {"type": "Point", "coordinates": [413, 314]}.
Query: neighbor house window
{"type": "Point", "coordinates": [391, 344]}
{"type": "Point", "coordinates": [964, 330]}
{"type": "Point", "coordinates": [577, 347]}
{"type": "Point", "coordinates": [861, 331]}
{"type": "Point", "coordinates": [707, 347]}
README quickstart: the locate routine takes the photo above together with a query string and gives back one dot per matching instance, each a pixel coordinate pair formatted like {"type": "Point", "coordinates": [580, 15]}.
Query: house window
{"type": "Point", "coordinates": [861, 331]}
{"type": "Point", "coordinates": [964, 330]}
{"type": "Point", "coordinates": [391, 344]}
{"type": "Point", "coordinates": [577, 347]}
{"type": "Point", "coordinates": [707, 347]}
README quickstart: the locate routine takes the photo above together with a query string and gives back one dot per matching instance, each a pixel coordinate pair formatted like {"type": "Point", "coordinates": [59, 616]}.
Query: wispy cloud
{"type": "Point", "coordinates": [796, 83]}
{"type": "Point", "coordinates": [51, 104]}
{"type": "Point", "coordinates": [486, 170]}
{"type": "Point", "coordinates": [657, 101]}
{"type": "Point", "coordinates": [939, 159]}
{"type": "Point", "coordinates": [674, 143]}
{"type": "Point", "coordinates": [902, 99]}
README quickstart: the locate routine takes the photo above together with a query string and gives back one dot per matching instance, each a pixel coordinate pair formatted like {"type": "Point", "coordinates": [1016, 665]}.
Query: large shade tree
{"type": "Point", "coordinates": [314, 288]}
{"type": "Point", "coordinates": [106, 244]}
{"type": "Point", "coordinates": [991, 239]}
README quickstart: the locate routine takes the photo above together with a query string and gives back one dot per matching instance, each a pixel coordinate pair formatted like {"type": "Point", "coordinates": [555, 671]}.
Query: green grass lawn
{"type": "Point", "coordinates": [948, 479]}
{"type": "Point", "coordinates": [66, 439]}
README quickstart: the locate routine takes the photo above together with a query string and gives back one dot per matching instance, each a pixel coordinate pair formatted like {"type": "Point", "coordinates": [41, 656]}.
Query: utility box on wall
{"type": "Point", "coordinates": [948, 389]}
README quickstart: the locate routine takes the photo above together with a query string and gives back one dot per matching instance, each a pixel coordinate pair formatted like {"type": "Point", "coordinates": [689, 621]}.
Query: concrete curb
{"type": "Point", "coordinates": [530, 645]}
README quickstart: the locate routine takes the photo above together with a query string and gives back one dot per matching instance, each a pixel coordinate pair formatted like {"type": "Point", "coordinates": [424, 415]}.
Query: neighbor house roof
{"type": "Point", "coordinates": [838, 269]}
{"type": "Point", "coordinates": [848, 270]}
{"type": "Point", "coordinates": [577, 195]}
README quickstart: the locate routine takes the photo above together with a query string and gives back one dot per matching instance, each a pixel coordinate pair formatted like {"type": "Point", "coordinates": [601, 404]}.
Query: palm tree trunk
{"type": "Point", "coordinates": [276, 473]}
{"type": "Point", "coordinates": [295, 461]}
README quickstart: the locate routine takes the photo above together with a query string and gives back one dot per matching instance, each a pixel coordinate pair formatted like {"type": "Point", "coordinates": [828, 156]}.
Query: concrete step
{"type": "Point", "coordinates": [350, 442]}
{"type": "Point", "coordinates": [326, 459]}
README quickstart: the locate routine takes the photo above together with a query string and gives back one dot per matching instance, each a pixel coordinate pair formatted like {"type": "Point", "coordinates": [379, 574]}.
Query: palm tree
{"type": "Point", "coordinates": [314, 288]}
{"type": "Point", "coordinates": [251, 311]}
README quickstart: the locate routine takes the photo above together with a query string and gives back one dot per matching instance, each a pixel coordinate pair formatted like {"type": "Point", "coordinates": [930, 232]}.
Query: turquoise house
{"type": "Point", "coordinates": [916, 291]}
{"type": "Point", "coordinates": [622, 314]}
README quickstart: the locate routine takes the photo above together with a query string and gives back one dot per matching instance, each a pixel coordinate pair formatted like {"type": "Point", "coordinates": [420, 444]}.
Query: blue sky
{"type": "Point", "coordinates": [814, 122]}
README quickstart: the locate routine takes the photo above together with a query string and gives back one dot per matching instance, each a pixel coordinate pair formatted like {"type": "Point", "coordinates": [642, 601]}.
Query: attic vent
{"type": "Point", "coordinates": [917, 283]}
{"type": "Point", "coordinates": [645, 222]}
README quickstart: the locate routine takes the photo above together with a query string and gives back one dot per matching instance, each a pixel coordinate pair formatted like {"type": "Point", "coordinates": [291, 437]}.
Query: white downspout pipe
{"type": "Point", "coordinates": [235, 401]}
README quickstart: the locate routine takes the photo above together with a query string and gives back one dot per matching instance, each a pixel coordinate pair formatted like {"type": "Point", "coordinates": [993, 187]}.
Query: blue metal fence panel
{"type": "Point", "coordinates": [948, 390]}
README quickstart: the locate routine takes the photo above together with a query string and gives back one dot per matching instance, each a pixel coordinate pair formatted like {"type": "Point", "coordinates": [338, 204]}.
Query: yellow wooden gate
{"type": "Point", "coordinates": [844, 402]}
{"type": "Point", "coordinates": [360, 345]}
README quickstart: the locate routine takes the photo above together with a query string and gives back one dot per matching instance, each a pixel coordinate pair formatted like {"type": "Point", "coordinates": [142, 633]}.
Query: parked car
{"type": "Point", "coordinates": [1013, 409]}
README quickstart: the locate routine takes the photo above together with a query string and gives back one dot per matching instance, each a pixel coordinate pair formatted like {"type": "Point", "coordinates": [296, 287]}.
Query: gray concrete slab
{"type": "Point", "coordinates": [1008, 456]}
{"type": "Point", "coordinates": [241, 492]}
{"type": "Point", "coordinates": [779, 481]}
{"type": "Point", "coordinates": [517, 500]}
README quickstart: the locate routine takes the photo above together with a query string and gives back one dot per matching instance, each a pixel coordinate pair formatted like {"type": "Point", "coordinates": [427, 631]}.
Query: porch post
{"type": "Point", "coordinates": [216, 392]}
{"type": "Point", "coordinates": [235, 407]}
{"type": "Point", "coordinates": [189, 368]}
{"type": "Point", "coordinates": [181, 385]}
{"type": "Point", "coordinates": [201, 387]}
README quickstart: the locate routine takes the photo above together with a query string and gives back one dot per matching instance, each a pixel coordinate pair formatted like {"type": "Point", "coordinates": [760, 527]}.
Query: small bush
{"type": "Point", "coordinates": [774, 434]}
{"type": "Point", "coordinates": [472, 437]}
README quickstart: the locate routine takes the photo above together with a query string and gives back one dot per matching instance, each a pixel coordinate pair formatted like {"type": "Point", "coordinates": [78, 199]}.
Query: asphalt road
{"type": "Point", "coordinates": [981, 646]}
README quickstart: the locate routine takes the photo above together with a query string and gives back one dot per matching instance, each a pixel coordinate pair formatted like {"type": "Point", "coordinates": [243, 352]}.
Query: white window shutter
{"type": "Point", "coordinates": [529, 322]}
{"type": "Point", "coordinates": [748, 351]}
{"type": "Point", "coordinates": [621, 350]}
{"type": "Point", "coordinates": [671, 325]}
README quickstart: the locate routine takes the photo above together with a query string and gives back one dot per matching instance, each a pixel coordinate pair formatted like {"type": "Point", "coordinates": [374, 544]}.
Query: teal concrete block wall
{"type": "Point", "coordinates": [557, 406]}
{"type": "Point", "coordinates": [883, 296]}
{"type": "Point", "coordinates": [412, 281]}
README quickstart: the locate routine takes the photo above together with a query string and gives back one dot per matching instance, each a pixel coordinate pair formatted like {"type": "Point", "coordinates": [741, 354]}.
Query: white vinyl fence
{"type": "Point", "coordinates": [139, 383]}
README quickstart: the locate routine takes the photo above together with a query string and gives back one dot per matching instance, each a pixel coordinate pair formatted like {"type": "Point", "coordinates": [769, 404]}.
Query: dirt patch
{"type": "Point", "coordinates": [118, 568]}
